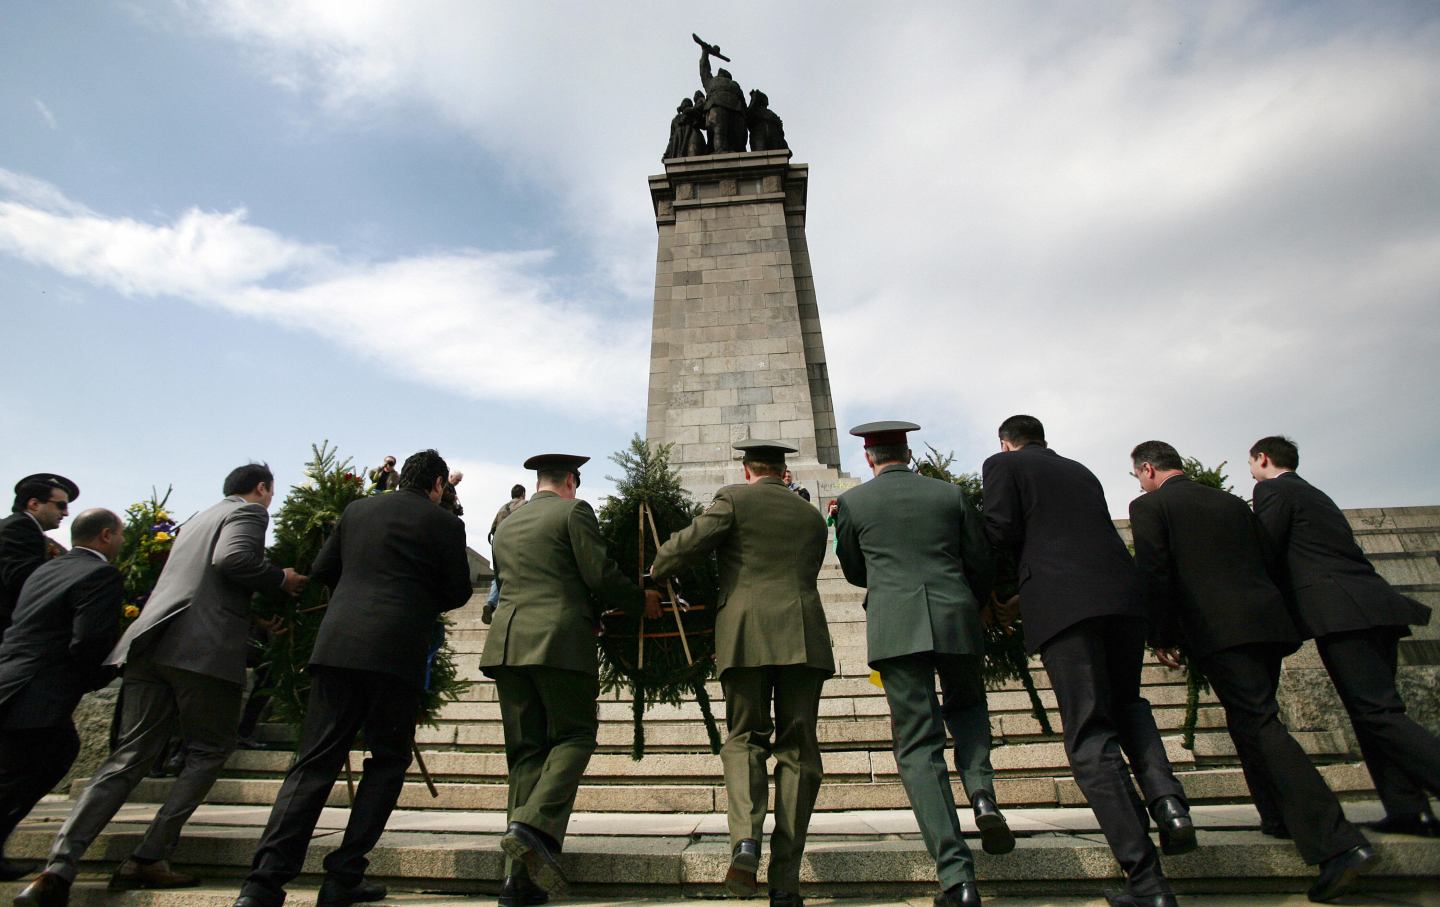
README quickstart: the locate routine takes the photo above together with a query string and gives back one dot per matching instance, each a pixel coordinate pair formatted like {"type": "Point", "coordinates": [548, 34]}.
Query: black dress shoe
{"type": "Point", "coordinates": [1421, 825]}
{"type": "Point", "coordinates": [11, 871]}
{"type": "Point", "coordinates": [1126, 899]}
{"type": "Point", "coordinates": [519, 891]}
{"type": "Point", "coordinates": [538, 851]}
{"type": "Point", "coordinates": [779, 898]}
{"type": "Point", "coordinates": [966, 894]}
{"type": "Point", "coordinates": [335, 893]}
{"type": "Point", "coordinates": [995, 835]}
{"type": "Point", "coordinates": [1177, 832]}
{"type": "Point", "coordinates": [1339, 873]}
{"type": "Point", "coordinates": [744, 861]}
{"type": "Point", "coordinates": [48, 890]}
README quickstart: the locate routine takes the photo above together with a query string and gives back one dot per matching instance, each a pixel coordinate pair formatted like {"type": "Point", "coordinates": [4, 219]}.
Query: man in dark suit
{"type": "Point", "coordinates": [919, 549]}
{"type": "Point", "coordinates": [41, 503]}
{"type": "Point", "coordinates": [1083, 612]}
{"type": "Point", "coordinates": [65, 623]}
{"type": "Point", "coordinates": [183, 661]}
{"type": "Point", "coordinates": [1209, 579]}
{"type": "Point", "coordinates": [1357, 622]}
{"type": "Point", "coordinates": [396, 563]}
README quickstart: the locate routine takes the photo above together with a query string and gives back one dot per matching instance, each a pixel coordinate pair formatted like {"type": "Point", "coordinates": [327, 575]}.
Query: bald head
{"type": "Point", "coordinates": [99, 530]}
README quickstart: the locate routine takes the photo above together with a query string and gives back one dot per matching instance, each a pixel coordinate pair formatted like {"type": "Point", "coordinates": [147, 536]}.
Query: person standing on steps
{"type": "Point", "coordinates": [773, 654]}
{"type": "Point", "coordinates": [1081, 604]}
{"type": "Point", "coordinates": [66, 622]}
{"type": "Point", "coordinates": [919, 550]}
{"type": "Point", "coordinates": [1357, 622]}
{"type": "Point", "coordinates": [41, 504]}
{"type": "Point", "coordinates": [1209, 580]}
{"type": "Point", "coordinates": [182, 662]}
{"type": "Point", "coordinates": [395, 563]}
{"type": "Point", "coordinates": [555, 578]}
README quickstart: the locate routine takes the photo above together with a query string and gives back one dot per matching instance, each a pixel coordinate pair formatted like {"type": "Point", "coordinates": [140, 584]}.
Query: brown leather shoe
{"type": "Point", "coordinates": [48, 890]}
{"type": "Point", "coordinates": [133, 875]}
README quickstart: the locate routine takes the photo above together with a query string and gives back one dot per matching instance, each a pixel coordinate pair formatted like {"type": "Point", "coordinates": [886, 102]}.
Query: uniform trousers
{"type": "Point", "coordinates": [918, 722]}
{"type": "Point", "coordinates": [1403, 757]}
{"type": "Point", "coordinates": [754, 735]}
{"type": "Point", "coordinates": [1094, 669]}
{"type": "Point", "coordinates": [1245, 678]}
{"type": "Point", "coordinates": [158, 698]}
{"type": "Point", "coordinates": [32, 762]}
{"type": "Point", "coordinates": [550, 717]}
{"type": "Point", "coordinates": [343, 703]}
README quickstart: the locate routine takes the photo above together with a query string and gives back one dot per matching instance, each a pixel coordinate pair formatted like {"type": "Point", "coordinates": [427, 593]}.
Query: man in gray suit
{"type": "Point", "coordinates": [919, 549]}
{"type": "Point", "coordinates": [183, 659]}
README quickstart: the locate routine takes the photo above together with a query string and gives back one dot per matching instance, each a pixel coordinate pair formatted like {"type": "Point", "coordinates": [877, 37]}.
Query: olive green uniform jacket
{"type": "Point", "coordinates": [770, 545]}
{"type": "Point", "coordinates": [555, 578]}
{"type": "Point", "coordinates": [919, 549]}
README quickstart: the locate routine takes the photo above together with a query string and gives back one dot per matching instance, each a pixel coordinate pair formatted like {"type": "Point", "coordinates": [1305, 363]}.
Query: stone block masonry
{"type": "Point", "coordinates": [736, 349]}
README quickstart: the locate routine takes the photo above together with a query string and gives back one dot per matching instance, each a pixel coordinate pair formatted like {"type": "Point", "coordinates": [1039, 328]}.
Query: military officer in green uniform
{"type": "Point", "coordinates": [772, 649]}
{"type": "Point", "coordinates": [555, 578]}
{"type": "Point", "coordinates": [919, 549]}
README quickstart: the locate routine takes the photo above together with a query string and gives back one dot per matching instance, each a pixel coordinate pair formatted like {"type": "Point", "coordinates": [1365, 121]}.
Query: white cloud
{"type": "Point", "coordinates": [45, 114]}
{"type": "Point", "coordinates": [485, 325]}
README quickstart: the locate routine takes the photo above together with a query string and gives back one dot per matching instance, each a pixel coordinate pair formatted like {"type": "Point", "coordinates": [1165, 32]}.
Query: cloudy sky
{"type": "Point", "coordinates": [230, 230]}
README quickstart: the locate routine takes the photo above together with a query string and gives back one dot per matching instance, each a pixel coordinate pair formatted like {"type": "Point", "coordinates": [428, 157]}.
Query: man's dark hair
{"type": "Point", "coordinates": [765, 467]}
{"type": "Point", "coordinates": [31, 491]}
{"type": "Point", "coordinates": [1022, 430]}
{"type": "Point", "coordinates": [517, 492]}
{"type": "Point", "coordinates": [1157, 454]}
{"type": "Point", "coordinates": [87, 526]}
{"type": "Point", "coordinates": [244, 479]}
{"type": "Point", "coordinates": [889, 453]}
{"type": "Point", "coordinates": [1281, 450]}
{"type": "Point", "coordinates": [422, 469]}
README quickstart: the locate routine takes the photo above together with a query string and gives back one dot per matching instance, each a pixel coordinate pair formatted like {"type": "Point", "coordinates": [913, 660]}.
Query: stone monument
{"type": "Point", "coordinates": [736, 348]}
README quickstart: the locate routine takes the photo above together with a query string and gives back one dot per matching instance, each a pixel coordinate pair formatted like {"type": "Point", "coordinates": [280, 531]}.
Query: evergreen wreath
{"type": "Point", "coordinates": [658, 661]}
{"type": "Point", "coordinates": [305, 520]}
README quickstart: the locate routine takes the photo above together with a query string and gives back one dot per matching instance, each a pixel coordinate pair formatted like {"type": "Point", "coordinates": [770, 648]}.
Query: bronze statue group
{"type": "Point", "coordinates": [1231, 589]}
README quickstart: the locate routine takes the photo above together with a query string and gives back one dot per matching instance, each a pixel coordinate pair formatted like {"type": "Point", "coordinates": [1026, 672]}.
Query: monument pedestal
{"type": "Point", "coordinates": [736, 348]}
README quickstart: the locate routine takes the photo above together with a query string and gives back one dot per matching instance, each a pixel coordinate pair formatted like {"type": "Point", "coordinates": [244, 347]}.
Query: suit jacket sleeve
{"type": "Point", "coordinates": [1004, 520]}
{"type": "Point", "coordinates": [326, 569]}
{"type": "Point", "coordinates": [22, 549]}
{"type": "Point", "coordinates": [600, 573]}
{"type": "Point", "coordinates": [1157, 577]}
{"type": "Point", "coordinates": [976, 552]}
{"type": "Point", "coordinates": [455, 585]}
{"type": "Point", "coordinates": [847, 546]}
{"type": "Point", "coordinates": [239, 553]}
{"type": "Point", "coordinates": [95, 627]}
{"type": "Point", "coordinates": [706, 533]}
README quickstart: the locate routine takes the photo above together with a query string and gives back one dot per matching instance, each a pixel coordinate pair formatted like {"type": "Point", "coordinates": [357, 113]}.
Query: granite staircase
{"type": "Point", "coordinates": [656, 827]}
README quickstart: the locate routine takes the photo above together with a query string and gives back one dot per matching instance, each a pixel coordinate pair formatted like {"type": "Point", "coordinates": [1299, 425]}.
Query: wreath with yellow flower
{"type": "Point", "coordinates": [150, 532]}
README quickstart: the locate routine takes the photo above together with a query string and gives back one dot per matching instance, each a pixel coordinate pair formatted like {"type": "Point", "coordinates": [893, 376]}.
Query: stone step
{"type": "Point", "coordinates": [1202, 785]}
{"type": "Point", "coordinates": [636, 855]}
{"type": "Point", "coordinates": [1211, 747]}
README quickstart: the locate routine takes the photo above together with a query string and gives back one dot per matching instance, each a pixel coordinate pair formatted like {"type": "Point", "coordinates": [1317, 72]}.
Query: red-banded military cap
{"type": "Point", "coordinates": [881, 434]}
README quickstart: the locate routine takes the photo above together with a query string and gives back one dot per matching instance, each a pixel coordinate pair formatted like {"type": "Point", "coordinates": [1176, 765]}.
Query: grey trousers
{"type": "Point", "coordinates": [156, 698]}
{"type": "Point", "coordinates": [919, 719]}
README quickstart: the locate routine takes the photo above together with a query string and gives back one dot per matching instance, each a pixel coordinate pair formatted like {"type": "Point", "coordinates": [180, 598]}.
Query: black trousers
{"type": "Point", "coordinates": [32, 762]}
{"type": "Point", "coordinates": [1245, 679]}
{"type": "Point", "coordinates": [1094, 668]}
{"type": "Point", "coordinates": [1403, 757]}
{"type": "Point", "coordinates": [342, 703]}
